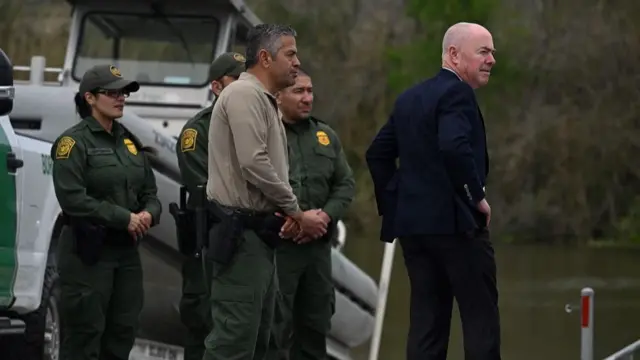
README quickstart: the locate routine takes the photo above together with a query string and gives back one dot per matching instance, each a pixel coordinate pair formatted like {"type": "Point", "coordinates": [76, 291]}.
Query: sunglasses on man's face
{"type": "Point", "coordinates": [114, 93]}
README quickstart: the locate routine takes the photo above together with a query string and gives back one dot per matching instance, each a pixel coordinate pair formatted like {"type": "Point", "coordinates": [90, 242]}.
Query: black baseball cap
{"type": "Point", "coordinates": [106, 77]}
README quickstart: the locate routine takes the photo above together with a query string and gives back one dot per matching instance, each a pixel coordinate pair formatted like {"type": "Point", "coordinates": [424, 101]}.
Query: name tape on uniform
{"type": "Point", "coordinates": [131, 146]}
{"type": "Point", "coordinates": [64, 147]}
{"type": "Point", "coordinates": [323, 138]}
{"type": "Point", "coordinates": [188, 141]}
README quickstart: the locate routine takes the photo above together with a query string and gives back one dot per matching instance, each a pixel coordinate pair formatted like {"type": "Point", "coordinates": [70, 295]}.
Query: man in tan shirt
{"type": "Point", "coordinates": [248, 172]}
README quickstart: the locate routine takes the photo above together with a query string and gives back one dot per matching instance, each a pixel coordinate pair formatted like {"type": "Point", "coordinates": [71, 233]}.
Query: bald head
{"type": "Point", "coordinates": [467, 49]}
{"type": "Point", "coordinates": [458, 33]}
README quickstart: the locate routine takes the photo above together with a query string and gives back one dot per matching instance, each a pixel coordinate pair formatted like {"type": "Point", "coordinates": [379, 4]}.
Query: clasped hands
{"type": "Point", "coordinates": [139, 224]}
{"type": "Point", "coordinates": [310, 225]}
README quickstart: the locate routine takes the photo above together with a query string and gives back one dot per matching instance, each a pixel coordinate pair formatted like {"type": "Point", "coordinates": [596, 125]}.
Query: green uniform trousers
{"type": "Point", "coordinates": [195, 311]}
{"type": "Point", "coordinates": [242, 302]}
{"type": "Point", "coordinates": [306, 301]}
{"type": "Point", "coordinates": [99, 304]}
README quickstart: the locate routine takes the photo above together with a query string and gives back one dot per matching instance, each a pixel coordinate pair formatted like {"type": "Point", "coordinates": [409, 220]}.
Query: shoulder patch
{"type": "Point", "coordinates": [131, 146]}
{"type": "Point", "coordinates": [65, 145]}
{"type": "Point", "coordinates": [323, 138]}
{"type": "Point", "coordinates": [188, 140]}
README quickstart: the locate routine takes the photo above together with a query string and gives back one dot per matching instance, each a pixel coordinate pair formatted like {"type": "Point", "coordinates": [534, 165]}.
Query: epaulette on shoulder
{"type": "Point", "coordinates": [76, 128]}
{"type": "Point", "coordinates": [318, 120]}
{"type": "Point", "coordinates": [199, 115]}
{"type": "Point", "coordinates": [208, 109]}
{"type": "Point", "coordinates": [324, 125]}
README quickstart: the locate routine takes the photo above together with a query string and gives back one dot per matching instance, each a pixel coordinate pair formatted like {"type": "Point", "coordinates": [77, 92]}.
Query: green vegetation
{"type": "Point", "coordinates": [561, 108]}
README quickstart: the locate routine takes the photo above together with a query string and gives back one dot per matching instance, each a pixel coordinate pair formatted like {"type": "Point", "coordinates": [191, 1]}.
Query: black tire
{"type": "Point", "coordinates": [41, 340]}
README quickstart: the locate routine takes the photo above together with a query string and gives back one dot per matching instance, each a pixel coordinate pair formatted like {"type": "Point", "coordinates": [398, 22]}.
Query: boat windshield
{"type": "Point", "coordinates": [153, 50]}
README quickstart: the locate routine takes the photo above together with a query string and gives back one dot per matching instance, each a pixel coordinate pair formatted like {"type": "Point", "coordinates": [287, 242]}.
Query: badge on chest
{"type": "Point", "coordinates": [323, 138]}
{"type": "Point", "coordinates": [131, 146]}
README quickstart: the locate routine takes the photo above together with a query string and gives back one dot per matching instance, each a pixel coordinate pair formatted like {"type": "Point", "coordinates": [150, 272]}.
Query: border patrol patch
{"type": "Point", "coordinates": [239, 57]}
{"type": "Point", "coordinates": [188, 141]}
{"type": "Point", "coordinates": [115, 71]}
{"type": "Point", "coordinates": [64, 147]}
{"type": "Point", "coordinates": [323, 138]}
{"type": "Point", "coordinates": [131, 146]}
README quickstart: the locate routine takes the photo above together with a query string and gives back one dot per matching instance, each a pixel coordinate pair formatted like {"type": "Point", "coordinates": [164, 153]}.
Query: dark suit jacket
{"type": "Point", "coordinates": [436, 131]}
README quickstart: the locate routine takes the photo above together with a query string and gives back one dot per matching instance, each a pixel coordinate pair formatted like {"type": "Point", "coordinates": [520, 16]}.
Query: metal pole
{"type": "Point", "coordinates": [586, 319]}
{"type": "Point", "coordinates": [626, 352]}
{"type": "Point", "coordinates": [38, 64]}
{"type": "Point", "coordinates": [383, 291]}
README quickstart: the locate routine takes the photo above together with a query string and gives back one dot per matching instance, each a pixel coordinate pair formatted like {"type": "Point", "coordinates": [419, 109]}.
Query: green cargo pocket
{"type": "Point", "coordinates": [81, 311]}
{"type": "Point", "coordinates": [235, 315]}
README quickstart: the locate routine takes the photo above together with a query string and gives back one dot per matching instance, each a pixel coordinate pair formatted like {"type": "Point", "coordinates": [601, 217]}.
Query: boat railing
{"type": "Point", "coordinates": [586, 306]}
{"type": "Point", "coordinates": [38, 69]}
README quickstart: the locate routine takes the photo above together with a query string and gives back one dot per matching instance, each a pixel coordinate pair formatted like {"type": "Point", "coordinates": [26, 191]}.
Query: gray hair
{"type": "Point", "coordinates": [267, 37]}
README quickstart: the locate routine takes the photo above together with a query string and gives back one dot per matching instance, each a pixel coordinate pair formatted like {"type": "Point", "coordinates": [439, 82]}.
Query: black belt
{"type": "Point", "coordinates": [252, 219]}
{"type": "Point", "coordinates": [264, 223]}
{"type": "Point", "coordinates": [113, 236]}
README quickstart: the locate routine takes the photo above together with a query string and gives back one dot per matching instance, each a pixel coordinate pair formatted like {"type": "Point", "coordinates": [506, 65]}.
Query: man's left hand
{"type": "Point", "coordinates": [303, 238]}
{"type": "Point", "coordinates": [290, 227]}
{"type": "Point", "coordinates": [325, 216]}
{"type": "Point", "coordinates": [146, 217]}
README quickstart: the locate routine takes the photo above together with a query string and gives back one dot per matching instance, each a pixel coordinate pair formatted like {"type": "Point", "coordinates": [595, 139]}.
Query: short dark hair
{"type": "Point", "coordinates": [267, 37]}
{"type": "Point", "coordinates": [304, 72]}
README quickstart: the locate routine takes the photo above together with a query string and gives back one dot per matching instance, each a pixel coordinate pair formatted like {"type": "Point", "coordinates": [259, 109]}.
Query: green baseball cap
{"type": "Point", "coordinates": [106, 77]}
{"type": "Point", "coordinates": [227, 64]}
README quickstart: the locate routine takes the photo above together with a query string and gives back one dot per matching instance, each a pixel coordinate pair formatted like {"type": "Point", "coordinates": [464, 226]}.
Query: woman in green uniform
{"type": "Point", "coordinates": [107, 191]}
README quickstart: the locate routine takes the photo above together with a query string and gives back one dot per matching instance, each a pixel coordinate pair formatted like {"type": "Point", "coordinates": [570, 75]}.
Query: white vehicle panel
{"type": "Point", "coordinates": [39, 210]}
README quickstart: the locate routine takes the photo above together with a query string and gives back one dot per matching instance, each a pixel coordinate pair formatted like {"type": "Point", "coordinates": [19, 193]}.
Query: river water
{"type": "Point", "coordinates": [535, 283]}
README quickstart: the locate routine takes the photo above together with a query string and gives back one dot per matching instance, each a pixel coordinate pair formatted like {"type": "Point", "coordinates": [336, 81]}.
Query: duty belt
{"type": "Point", "coordinates": [251, 219]}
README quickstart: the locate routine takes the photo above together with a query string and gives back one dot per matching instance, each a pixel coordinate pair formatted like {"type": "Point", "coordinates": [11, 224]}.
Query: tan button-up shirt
{"type": "Point", "coordinates": [248, 157]}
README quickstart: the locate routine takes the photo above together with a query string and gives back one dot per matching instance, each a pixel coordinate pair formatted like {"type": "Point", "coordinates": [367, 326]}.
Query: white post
{"type": "Point", "coordinates": [383, 291]}
{"type": "Point", "coordinates": [342, 235]}
{"type": "Point", "coordinates": [586, 320]}
{"type": "Point", "coordinates": [37, 68]}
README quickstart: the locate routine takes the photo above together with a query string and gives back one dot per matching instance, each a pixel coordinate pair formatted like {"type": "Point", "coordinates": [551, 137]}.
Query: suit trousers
{"type": "Point", "coordinates": [444, 267]}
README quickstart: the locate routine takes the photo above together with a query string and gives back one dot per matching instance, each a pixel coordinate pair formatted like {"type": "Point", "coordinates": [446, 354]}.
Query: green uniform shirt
{"type": "Point", "coordinates": [103, 177]}
{"type": "Point", "coordinates": [192, 150]}
{"type": "Point", "coordinates": [319, 173]}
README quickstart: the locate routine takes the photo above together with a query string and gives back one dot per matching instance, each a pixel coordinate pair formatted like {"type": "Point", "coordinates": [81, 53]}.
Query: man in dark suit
{"type": "Point", "coordinates": [434, 200]}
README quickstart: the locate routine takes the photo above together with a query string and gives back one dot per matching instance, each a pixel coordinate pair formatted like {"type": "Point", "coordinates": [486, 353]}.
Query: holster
{"type": "Point", "coordinates": [224, 239]}
{"type": "Point", "coordinates": [184, 218]}
{"type": "Point", "coordinates": [226, 235]}
{"type": "Point", "coordinates": [186, 233]}
{"type": "Point", "coordinates": [89, 240]}
{"type": "Point", "coordinates": [268, 227]}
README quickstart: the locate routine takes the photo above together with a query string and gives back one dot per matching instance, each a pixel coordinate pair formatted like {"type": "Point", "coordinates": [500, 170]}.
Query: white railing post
{"type": "Point", "coordinates": [586, 320]}
{"type": "Point", "coordinates": [37, 69]}
{"type": "Point", "coordinates": [383, 291]}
